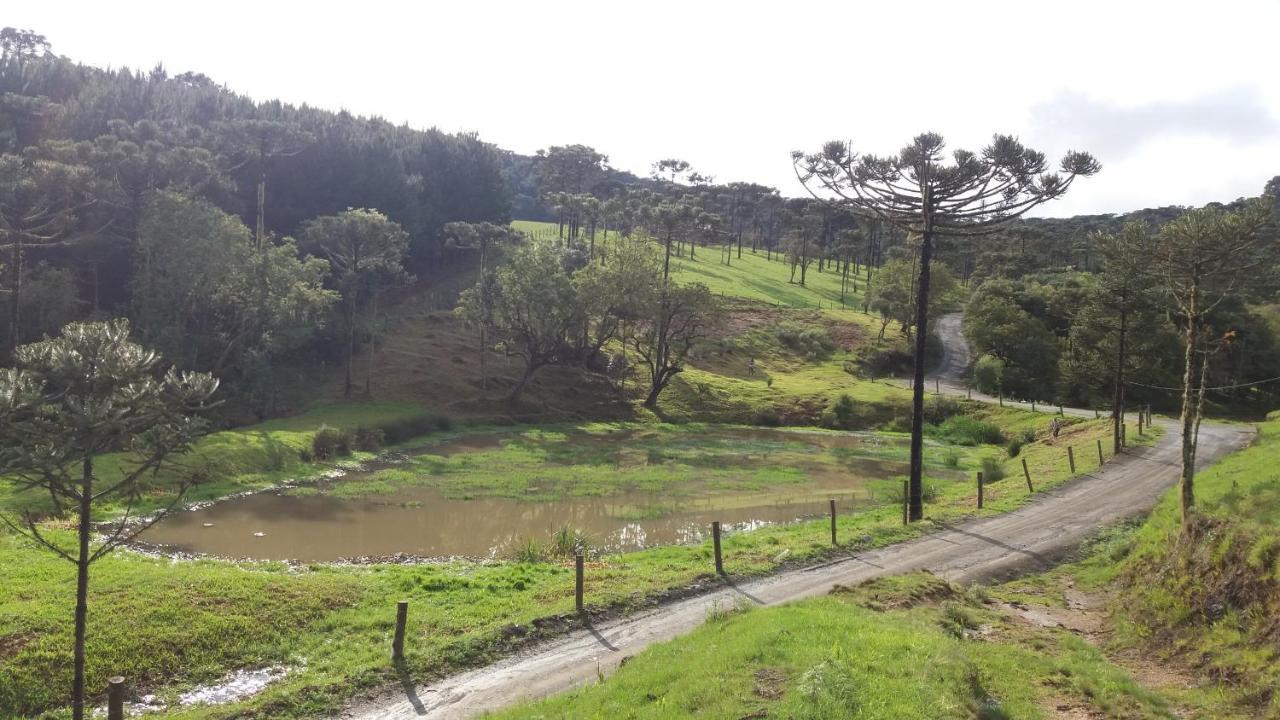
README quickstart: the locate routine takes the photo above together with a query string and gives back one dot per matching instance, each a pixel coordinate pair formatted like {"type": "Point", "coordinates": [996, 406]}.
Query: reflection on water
{"type": "Point", "coordinates": [421, 521]}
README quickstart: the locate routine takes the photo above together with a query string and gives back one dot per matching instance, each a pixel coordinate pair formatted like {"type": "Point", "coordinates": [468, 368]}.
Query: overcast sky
{"type": "Point", "coordinates": [1180, 101]}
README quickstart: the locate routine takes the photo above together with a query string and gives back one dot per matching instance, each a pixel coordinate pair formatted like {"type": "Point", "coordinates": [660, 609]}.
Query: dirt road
{"type": "Point", "coordinates": [1025, 540]}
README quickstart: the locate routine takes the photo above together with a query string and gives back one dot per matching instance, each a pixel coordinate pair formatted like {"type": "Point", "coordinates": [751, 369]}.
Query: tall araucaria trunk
{"type": "Point", "coordinates": [916, 486]}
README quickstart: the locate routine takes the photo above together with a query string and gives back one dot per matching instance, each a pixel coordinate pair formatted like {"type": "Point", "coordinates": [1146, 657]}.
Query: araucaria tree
{"type": "Point", "coordinates": [918, 191]}
{"type": "Point", "coordinates": [483, 239]}
{"type": "Point", "coordinates": [72, 398]}
{"type": "Point", "coordinates": [1125, 284]}
{"type": "Point", "coordinates": [362, 246]}
{"type": "Point", "coordinates": [1205, 256]}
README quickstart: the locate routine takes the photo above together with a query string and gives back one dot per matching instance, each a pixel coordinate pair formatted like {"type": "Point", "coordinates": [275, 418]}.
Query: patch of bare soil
{"type": "Point", "coordinates": [433, 359]}
{"type": "Point", "coordinates": [1061, 709]}
{"type": "Point", "coordinates": [770, 683]}
{"type": "Point", "coordinates": [847, 336]}
{"type": "Point", "coordinates": [1085, 616]}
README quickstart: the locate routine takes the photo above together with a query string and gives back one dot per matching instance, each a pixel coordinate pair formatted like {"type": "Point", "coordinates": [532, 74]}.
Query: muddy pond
{"type": "Point", "coordinates": [484, 495]}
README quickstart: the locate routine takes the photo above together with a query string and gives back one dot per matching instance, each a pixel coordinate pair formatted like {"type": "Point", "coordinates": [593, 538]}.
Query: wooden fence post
{"type": "Point", "coordinates": [833, 521]}
{"type": "Point", "coordinates": [979, 489]}
{"type": "Point", "coordinates": [1100, 460]}
{"type": "Point", "coordinates": [1141, 417]}
{"type": "Point", "coordinates": [1061, 413]}
{"type": "Point", "coordinates": [115, 698]}
{"type": "Point", "coordinates": [577, 585]}
{"type": "Point", "coordinates": [715, 540]}
{"type": "Point", "coordinates": [1033, 406]}
{"type": "Point", "coordinates": [1071, 459]}
{"type": "Point", "coordinates": [1027, 474]}
{"type": "Point", "coordinates": [1095, 414]}
{"type": "Point", "coordinates": [937, 387]}
{"type": "Point", "coordinates": [1124, 439]}
{"type": "Point", "coordinates": [402, 616]}
{"type": "Point", "coordinates": [906, 501]}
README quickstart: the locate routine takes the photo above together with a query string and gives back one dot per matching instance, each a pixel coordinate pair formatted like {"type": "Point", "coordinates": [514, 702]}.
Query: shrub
{"type": "Point", "coordinates": [886, 361]}
{"type": "Point", "coordinates": [444, 423]}
{"type": "Point", "coordinates": [842, 414]}
{"type": "Point", "coordinates": [370, 439]}
{"type": "Point", "coordinates": [958, 620]}
{"type": "Point", "coordinates": [306, 455]}
{"type": "Point", "coordinates": [768, 417]}
{"type": "Point", "coordinates": [965, 430]}
{"type": "Point", "coordinates": [567, 542]}
{"type": "Point", "coordinates": [528, 551]}
{"type": "Point", "coordinates": [346, 442]}
{"type": "Point", "coordinates": [1015, 447]}
{"type": "Point", "coordinates": [941, 408]}
{"type": "Point", "coordinates": [409, 427]}
{"type": "Point", "coordinates": [277, 455]}
{"type": "Point", "coordinates": [928, 493]}
{"type": "Point", "coordinates": [810, 342]}
{"type": "Point", "coordinates": [988, 374]}
{"type": "Point", "coordinates": [952, 458]}
{"type": "Point", "coordinates": [324, 444]}
{"type": "Point", "coordinates": [992, 469]}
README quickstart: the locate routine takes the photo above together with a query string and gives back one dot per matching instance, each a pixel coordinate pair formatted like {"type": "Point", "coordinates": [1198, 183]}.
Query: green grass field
{"type": "Point", "coordinates": [903, 647]}
{"type": "Point", "coordinates": [232, 461]}
{"type": "Point", "coordinates": [751, 277]}
{"type": "Point", "coordinates": [554, 462]}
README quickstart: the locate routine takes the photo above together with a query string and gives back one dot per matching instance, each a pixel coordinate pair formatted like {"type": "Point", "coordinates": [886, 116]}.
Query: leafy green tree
{"type": "Point", "coordinates": [673, 167]}
{"type": "Point", "coordinates": [894, 297]}
{"type": "Point", "coordinates": [1204, 257]}
{"type": "Point", "coordinates": [200, 283]}
{"type": "Point", "coordinates": [361, 246]}
{"type": "Point", "coordinates": [71, 399]}
{"type": "Point", "coordinates": [799, 247]}
{"type": "Point", "coordinates": [613, 294]}
{"type": "Point", "coordinates": [49, 300]}
{"type": "Point", "coordinates": [482, 239]}
{"type": "Point", "coordinates": [988, 375]}
{"type": "Point", "coordinates": [919, 192]}
{"type": "Point", "coordinates": [997, 326]}
{"type": "Point", "coordinates": [530, 302]}
{"type": "Point", "coordinates": [674, 318]}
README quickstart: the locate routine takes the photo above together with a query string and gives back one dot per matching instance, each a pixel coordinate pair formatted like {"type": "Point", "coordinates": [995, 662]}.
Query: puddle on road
{"type": "Point", "coordinates": [421, 521]}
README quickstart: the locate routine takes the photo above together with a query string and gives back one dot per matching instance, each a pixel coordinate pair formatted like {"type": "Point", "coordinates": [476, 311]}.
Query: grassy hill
{"type": "Point", "coordinates": [428, 358]}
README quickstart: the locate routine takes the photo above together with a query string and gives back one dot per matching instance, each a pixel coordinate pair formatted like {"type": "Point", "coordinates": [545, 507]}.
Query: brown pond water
{"type": "Point", "coordinates": [421, 521]}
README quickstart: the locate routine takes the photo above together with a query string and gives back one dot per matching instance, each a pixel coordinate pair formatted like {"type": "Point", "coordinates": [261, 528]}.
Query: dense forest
{"type": "Point", "coordinates": [201, 215]}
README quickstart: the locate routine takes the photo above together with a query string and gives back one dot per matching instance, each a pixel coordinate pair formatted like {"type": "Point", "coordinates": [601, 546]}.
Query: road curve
{"type": "Point", "coordinates": [1030, 538]}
